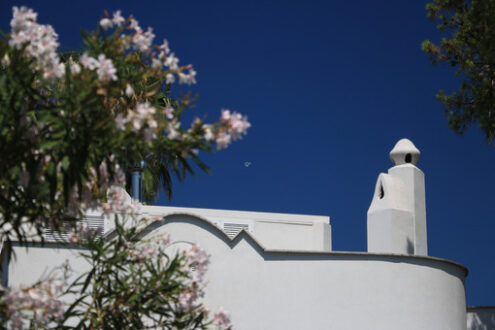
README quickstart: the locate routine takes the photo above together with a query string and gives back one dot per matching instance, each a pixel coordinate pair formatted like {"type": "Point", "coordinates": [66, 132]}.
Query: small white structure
{"type": "Point", "coordinates": [397, 215]}
{"type": "Point", "coordinates": [278, 271]}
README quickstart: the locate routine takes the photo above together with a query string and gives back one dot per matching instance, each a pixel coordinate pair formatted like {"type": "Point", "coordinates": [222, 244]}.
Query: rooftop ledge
{"type": "Point", "coordinates": [251, 215]}
{"type": "Point", "coordinates": [265, 252]}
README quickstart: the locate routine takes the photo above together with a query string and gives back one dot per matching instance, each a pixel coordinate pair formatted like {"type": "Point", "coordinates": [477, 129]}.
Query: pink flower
{"type": "Point", "coordinates": [143, 41]}
{"type": "Point", "coordinates": [39, 304]}
{"type": "Point", "coordinates": [208, 133]}
{"type": "Point", "coordinates": [156, 63]}
{"type": "Point", "coordinates": [172, 62]}
{"type": "Point", "coordinates": [145, 109]}
{"type": "Point", "coordinates": [74, 237]}
{"type": "Point", "coordinates": [53, 70]}
{"type": "Point", "coordinates": [198, 259]}
{"type": "Point", "coordinates": [189, 78]}
{"type": "Point", "coordinates": [106, 23]}
{"type": "Point", "coordinates": [120, 121]}
{"type": "Point", "coordinates": [173, 131]}
{"type": "Point", "coordinates": [238, 125]}
{"type": "Point", "coordinates": [88, 62]}
{"type": "Point", "coordinates": [223, 140]}
{"type": "Point", "coordinates": [135, 25]}
{"type": "Point", "coordinates": [40, 42]}
{"type": "Point", "coordinates": [170, 79]}
{"type": "Point", "coordinates": [106, 71]}
{"type": "Point", "coordinates": [74, 68]}
{"type": "Point", "coordinates": [187, 300]}
{"type": "Point", "coordinates": [164, 47]}
{"type": "Point", "coordinates": [117, 18]}
{"type": "Point", "coordinates": [222, 319]}
{"type": "Point", "coordinates": [169, 112]}
{"type": "Point", "coordinates": [129, 91]}
{"type": "Point", "coordinates": [225, 115]}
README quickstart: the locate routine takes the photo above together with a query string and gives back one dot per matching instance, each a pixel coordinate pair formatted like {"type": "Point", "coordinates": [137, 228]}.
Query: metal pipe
{"type": "Point", "coordinates": [137, 181]}
{"type": "Point", "coordinates": [136, 185]}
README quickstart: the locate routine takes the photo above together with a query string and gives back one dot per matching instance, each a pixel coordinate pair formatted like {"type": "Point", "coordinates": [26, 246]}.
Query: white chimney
{"type": "Point", "coordinates": [397, 214]}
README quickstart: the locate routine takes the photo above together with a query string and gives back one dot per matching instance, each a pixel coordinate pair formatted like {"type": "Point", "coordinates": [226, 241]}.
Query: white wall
{"type": "Point", "coordinates": [273, 230]}
{"type": "Point", "coordinates": [280, 289]}
{"type": "Point", "coordinates": [266, 289]}
{"type": "Point", "coordinates": [29, 266]}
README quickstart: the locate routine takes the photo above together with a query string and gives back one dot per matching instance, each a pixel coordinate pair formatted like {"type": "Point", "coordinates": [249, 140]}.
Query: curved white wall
{"type": "Point", "coordinates": [282, 289]}
{"type": "Point", "coordinates": [269, 289]}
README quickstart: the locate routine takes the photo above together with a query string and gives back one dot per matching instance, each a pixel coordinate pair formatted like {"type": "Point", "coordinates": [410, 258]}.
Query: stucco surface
{"type": "Point", "coordinates": [29, 266]}
{"type": "Point", "coordinates": [277, 289]}
{"type": "Point", "coordinates": [273, 230]}
{"type": "Point", "coordinates": [287, 289]}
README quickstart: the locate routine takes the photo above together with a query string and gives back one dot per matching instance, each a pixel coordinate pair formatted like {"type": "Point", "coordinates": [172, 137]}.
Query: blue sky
{"type": "Point", "coordinates": [329, 87]}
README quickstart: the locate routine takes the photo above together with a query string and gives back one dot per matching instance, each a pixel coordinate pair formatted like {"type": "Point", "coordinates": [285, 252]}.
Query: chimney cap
{"type": "Point", "coordinates": [404, 152]}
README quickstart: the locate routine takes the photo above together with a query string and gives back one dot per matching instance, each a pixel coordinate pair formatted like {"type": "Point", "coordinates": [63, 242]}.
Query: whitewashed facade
{"type": "Point", "coordinates": [278, 271]}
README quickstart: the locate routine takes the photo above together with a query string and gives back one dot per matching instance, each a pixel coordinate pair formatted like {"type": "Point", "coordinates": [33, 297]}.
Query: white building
{"type": "Point", "coordinates": [278, 271]}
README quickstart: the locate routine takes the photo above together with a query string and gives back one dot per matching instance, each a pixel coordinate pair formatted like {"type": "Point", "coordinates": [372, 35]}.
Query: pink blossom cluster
{"type": "Point", "coordinates": [142, 41]}
{"type": "Point", "coordinates": [141, 116]}
{"type": "Point", "coordinates": [117, 202]}
{"type": "Point", "coordinates": [198, 260]}
{"type": "Point", "coordinates": [174, 132]}
{"type": "Point", "coordinates": [187, 78]}
{"type": "Point", "coordinates": [40, 42]}
{"type": "Point", "coordinates": [236, 125]}
{"type": "Point", "coordinates": [150, 249]}
{"type": "Point", "coordinates": [85, 199]}
{"type": "Point", "coordinates": [81, 200]}
{"type": "Point", "coordinates": [104, 66]}
{"type": "Point", "coordinates": [40, 303]}
{"type": "Point", "coordinates": [102, 176]}
{"type": "Point", "coordinates": [188, 299]}
{"type": "Point", "coordinates": [222, 319]}
{"type": "Point", "coordinates": [117, 20]}
{"type": "Point", "coordinates": [169, 112]}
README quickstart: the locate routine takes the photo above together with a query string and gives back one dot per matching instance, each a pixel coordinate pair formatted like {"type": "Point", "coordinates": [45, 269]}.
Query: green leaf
{"type": "Point", "coordinates": [49, 144]}
{"type": "Point", "coordinates": [65, 162]}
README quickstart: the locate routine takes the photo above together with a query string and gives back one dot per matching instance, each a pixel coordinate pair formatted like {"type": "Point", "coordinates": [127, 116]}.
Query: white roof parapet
{"type": "Point", "coordinates": [265, 216]}
{"type": "Point", "coordinates": [274, 230]}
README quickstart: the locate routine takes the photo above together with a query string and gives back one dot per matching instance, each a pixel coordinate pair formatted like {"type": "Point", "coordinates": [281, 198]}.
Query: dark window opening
{"type": "Point", "coordinates": [408, 158]}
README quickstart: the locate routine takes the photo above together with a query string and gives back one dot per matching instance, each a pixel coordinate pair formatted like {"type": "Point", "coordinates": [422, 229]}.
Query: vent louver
{"type": "Point", "coordinates": [93, 222]}
{"type": "Point", "coordinates": [232, 229]}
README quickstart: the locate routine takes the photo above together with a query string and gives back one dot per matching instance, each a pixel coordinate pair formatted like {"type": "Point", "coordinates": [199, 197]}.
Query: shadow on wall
{"type": "Point", "coordinates": [481, 318]}
{"type": "Point", "coordinates": [410, 246]}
